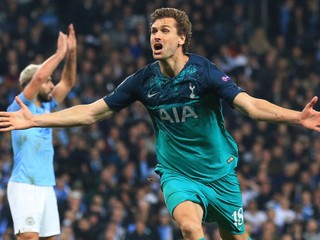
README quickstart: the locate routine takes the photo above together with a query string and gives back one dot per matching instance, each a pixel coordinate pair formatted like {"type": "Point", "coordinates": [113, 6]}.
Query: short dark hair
{"type": "Point", "coordinates": [184, 26]}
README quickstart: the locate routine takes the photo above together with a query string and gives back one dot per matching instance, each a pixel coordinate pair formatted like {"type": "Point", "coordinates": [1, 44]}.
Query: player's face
{"type": "Point", "coordinates": [164, 38]}
{"type": "Point", "coordinates": [45, 93]}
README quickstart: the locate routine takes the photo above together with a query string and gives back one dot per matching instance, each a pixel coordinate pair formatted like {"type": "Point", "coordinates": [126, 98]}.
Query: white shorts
{"type": "Point", "coordinates": [33, 209]}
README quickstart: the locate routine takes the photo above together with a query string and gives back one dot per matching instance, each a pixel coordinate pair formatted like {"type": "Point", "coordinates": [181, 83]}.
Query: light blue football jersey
{"type": "Point", "coordinates": [32, 149]}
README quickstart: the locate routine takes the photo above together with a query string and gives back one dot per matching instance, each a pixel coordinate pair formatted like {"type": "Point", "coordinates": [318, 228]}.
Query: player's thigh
{"type": "Point", "coordinates": [34, 210]}
{"type": "Point", "coordinates": [50, 224]}
{"type": "Point", "coordinates": [28, 236]}
{"type": "Point", "coordinates": [48, 238]}
{"type": "Point", "coordinates": [188, 211]}
{"type": "Point", "coordinates": [26, 206]}
{"type": "Point", "coordinates": [178, 189]}
{"type": "Point", "coordinates": [225, 204]}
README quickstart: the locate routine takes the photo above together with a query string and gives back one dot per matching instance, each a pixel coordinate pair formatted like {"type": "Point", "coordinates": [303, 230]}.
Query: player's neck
{"type": "Point", "coordinates": [171, 67]}
{"type": "Point", "coordinates": [38, 102]}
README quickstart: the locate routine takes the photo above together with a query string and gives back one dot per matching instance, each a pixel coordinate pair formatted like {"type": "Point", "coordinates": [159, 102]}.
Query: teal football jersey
{"type": "Point", "coordinates": [186, 112]}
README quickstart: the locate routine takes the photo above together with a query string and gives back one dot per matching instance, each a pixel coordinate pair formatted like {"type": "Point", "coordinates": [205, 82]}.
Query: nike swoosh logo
{"type": "Point", "coordinates": [150, 95]}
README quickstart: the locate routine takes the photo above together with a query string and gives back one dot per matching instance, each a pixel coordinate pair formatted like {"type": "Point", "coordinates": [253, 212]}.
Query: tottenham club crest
{"type": "Point", "coordinates": [192, 87]}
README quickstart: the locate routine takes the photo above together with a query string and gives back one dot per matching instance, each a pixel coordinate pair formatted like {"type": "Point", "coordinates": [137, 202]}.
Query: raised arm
{"type": "Point", "coordinates": [80, 115]}
{"type": "Point", "coordinates": [69, 72]}
{"type": "Point", "coordinates": [263, 110]}
{"type": "Point", "coordinates": [46, 68]}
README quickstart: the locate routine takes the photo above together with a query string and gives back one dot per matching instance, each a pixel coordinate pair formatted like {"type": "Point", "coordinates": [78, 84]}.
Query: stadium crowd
{"type": "Point", "coordinates": [106, 186]}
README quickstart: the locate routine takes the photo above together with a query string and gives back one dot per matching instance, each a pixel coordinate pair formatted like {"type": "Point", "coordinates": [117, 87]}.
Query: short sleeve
{"type": "Point", "coordinates": [222, 84]}
{"type": "Point", "coordinates": [124, 94]}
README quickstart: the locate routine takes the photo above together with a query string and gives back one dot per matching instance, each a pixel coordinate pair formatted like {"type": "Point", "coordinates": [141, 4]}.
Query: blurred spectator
{"type": "Point", "coordinates": [269, 231]}
{"type": "Point", "coordinates": [139, 231]}
{"type": "Point", "coordinates": [165, 229]}
{"type": "Point", "coordinates": [312, 230]}
{"type": "Point", "coordinates": [255, 217]}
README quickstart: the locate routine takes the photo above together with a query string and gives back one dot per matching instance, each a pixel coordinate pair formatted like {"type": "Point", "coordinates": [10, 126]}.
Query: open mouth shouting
{"type": "Point", "coordinates": [157, 47]}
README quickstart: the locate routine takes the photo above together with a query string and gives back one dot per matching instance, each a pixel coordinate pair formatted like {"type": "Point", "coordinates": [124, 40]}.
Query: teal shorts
{"type": "Point", "coordinates": [221, 200]}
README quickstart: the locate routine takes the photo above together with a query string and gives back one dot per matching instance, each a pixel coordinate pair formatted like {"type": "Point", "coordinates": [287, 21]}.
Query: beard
{"type": "Point", "coordinates": [43, 97]}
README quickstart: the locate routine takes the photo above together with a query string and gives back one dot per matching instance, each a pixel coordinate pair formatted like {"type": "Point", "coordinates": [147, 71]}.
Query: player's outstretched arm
{"type": "Point", "coordinates": [263, 110]}
{"type": "Point", "coordinates": [80, 115]}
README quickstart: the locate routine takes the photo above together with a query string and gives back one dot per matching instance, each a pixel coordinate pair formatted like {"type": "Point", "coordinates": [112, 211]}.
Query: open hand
{"type": "Point", "coordinates": [62, 43]}
{"type": "Point", "coordinates": [311, 118]}
{"type": "Point", "coordinates": [72, 41]}
{"type": "Point", "coordinates": [21, 119]}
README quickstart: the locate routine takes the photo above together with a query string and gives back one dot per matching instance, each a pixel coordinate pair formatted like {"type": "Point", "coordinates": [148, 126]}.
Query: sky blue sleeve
{"type": "Point", "coordinates": [14, 106]}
